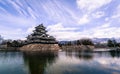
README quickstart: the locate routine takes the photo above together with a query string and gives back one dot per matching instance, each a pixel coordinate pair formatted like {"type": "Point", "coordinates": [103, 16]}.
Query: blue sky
{"type": "Point", "coordinates": [64, 19]}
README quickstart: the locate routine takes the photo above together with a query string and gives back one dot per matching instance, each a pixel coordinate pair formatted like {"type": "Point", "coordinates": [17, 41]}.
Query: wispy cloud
{"type": "Point", "coordinates": [98, 14]}
{"type": "Point", "coordinates": [63, 33]}
{"type": "Point", "coordinates": [84, 20]}
{"type": "Point", "coordinates": [91, 5]}
{"type": "Point", "coordinates": [64, 19]}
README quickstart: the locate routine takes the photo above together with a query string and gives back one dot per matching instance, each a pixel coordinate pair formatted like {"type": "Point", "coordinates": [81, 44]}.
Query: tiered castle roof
{"type": "Point", "coordinates": [40, 35]}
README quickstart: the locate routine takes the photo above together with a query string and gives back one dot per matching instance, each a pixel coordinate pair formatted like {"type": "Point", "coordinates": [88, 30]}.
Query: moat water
{"type": "Point", "coordinates": [62, 63]}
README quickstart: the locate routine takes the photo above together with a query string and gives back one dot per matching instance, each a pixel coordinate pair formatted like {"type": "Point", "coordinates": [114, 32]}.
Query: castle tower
{"type": "Point", "coordinates": [40, 35]}
{"type": "Point", "coordinates": [40, 41]}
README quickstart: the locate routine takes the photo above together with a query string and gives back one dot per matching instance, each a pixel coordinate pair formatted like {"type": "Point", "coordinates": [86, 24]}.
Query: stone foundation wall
{"type": "Point", "coordinates": [77, 48]}
{"type": "Point", "coordinates": [40, 47]}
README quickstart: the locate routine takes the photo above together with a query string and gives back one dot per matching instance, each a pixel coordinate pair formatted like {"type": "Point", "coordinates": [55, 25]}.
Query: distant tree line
{"type": "Point", "coordinates": [14, 43]}
{"type": "Point", "coordinates": [77, 42]}
{"type": "Point", "coordinates": [112, 43]}
{"type": "Point", "coordinates": [100, 45]}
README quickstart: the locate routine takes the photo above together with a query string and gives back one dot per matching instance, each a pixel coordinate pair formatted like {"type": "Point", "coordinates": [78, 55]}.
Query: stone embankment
{"type": "Point", "coordinates": [78, 48]}
{"type": "Point", "coordinates": [39, 47]}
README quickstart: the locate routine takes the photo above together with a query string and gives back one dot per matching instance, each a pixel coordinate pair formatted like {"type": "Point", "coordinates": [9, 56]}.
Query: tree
{"type": "Point", "coordinates": [86, 42]}
{"type": "Point", "coordinates": [78, 42]}
{"type": "Point", "coordinates": [112, 43]}
{"type": "Point", "coordinates": [16, 43]}
{"type": "Point", "coordinates": [1, 39]}
{"type": "Point", "coordinates": [69, 43]}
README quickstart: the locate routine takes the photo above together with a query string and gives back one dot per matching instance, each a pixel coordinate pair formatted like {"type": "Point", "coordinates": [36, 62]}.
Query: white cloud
{"type": "Point", "coordinates": [103, 31]}
{"type": "Point", "coordinates": [12, 27]}
{"type": "Point", "coordinates": [12, 33]}
{"type": "Point", "coordinates": [19, 3]}
{"type": "Point", "coordinates": [66, 35]}
{"type": "Point", "coordinates": [91, 5]}
{"type": "Point", "coordinates": [29, 13]}
{"type": "Point", "coordinates": [30, 30]}
{"type": "Point", "coordinates": [60, 12]}
{"type": "Point", "coordinates": [108, 62]}
{"type": "Point", "coordinates": [107, 19]}
{"type": "Point", "coordinates": [116, 13]}
{"type": "Point", "coordinates": [105, 25]}
{"type": "Point", "coordinates": [16, 20]}
{"type": "Point", "coordinates": [98, 14]}
{"type": "Point", "coordinates": [32, 13]}
{"type": "Point", "coordinates": [3, 10]}
{"type": "Point", "coordinates": [105, 64]}
{"type": "Point", "coordinates": [59, 27]}
{"type": "Point", "coordinates": [63, 33]}
{"type": "Point", "coordinates": [83, 20]}
{"type": "Point", "coordinates": [16, 6]}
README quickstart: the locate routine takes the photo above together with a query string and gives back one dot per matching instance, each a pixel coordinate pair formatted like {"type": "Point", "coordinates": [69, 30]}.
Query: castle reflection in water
{"type": "Point", "coordinates": [60, 63]}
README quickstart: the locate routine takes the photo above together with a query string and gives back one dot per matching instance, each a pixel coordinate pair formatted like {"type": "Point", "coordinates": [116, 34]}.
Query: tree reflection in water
{"type": "Point", "coordinates": [73, 63]}
{"type": "Point", "coordinates": [80, 55]}
{"type": "Point", "coordinates": [115, 54]}
{"type": "Point", "coordinates": [37, 63]}
{"type": "Point", "coordinates": [90, 55]}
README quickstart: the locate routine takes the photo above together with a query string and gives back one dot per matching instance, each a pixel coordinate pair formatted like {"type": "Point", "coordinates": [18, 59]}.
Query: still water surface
{"type": "Point", "coordinates": [63, 63]}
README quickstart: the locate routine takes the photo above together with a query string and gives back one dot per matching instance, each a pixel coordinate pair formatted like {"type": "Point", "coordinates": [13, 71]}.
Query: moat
{"type": "Point", "coordinates": [60, 63]}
